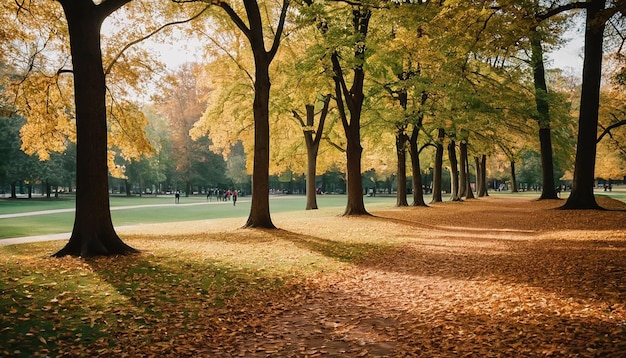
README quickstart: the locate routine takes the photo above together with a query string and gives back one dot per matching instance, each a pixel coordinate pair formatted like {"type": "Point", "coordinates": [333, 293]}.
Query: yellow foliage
{"type": "Point", "coordinates": [46, 103]}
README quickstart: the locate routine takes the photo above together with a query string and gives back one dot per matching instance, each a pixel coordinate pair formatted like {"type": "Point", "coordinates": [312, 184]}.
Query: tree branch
{"type": "Point", "coordinates": [108, 7]}
{"type": "Point", "coordinates": [320, 125]}
{"type": "Point", "coordinates": [607, 130]}
{"type": "Point", "coordinates": [279, 30]}
{"type": "Point", "coordinates": [132, 43]}
{"type": "Point", "coordinates": [559, 9]}
{"type": "Point", "coordinates": [236, 19]}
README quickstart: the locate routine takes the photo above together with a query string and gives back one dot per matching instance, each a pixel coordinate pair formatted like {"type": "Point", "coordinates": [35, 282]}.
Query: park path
{"type": "Point", "coordinates": [113, 208]}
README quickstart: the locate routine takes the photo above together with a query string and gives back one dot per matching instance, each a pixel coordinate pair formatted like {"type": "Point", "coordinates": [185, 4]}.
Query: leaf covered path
{"type": "Point", "coordinates": [488, 277]}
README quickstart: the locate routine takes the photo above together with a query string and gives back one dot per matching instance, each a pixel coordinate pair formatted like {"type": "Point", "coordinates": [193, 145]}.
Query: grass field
{"type": "Point", "coordinates": [149, 209]}
{"type": "Point", "coordinates": [146, 210]}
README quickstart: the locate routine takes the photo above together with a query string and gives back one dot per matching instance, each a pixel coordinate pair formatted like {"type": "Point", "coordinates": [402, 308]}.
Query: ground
{"type": "Point", "coordinates": [487, 277]}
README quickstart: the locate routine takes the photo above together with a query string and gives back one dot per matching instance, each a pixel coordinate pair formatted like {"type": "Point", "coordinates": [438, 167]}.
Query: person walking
{"type": "Point", "coordinates": [235, 194]}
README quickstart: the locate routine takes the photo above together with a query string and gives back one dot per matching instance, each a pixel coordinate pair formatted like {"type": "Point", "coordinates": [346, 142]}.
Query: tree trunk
{"type": "Point", "coordinates": [463, 174]}
{"type": "Point", "coordinates": [13, 190]}
{"type": "Point", "coordinates": [437, 170]}
{"type": "Point", "coordinates": [548, 191]}
{"type": "Point", "coordinates": [260, 208]}
{"type": "Point", "coordinates": [355, 204]}
{"type": "Point", "coordinates": [482, 189]}
{"type": "Point", "coordinates": [93, 233]}
{"type": "Point", "coordinates": [513, 178]}
{"type": "Point", "coordinates": [311, 171]}
{"type": "Point", "coordinates": [401, 170]}
{"type": "Point", "coordinates": [127, 188]}
{"type": "Point", "coordinates": [469, 193]}
{"type": "Point", "coordinates": [454, 172]}
{"type": "Point", "coordinates": [582, 196]}
{"type": "Point", "coordinates": [479, 178]}
{"type": "Point", "coordinates": [418, 191]}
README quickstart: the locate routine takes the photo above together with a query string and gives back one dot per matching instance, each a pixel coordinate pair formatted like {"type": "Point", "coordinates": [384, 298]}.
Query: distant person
{"type": "Point", "coordinates": [235, 194]}
{"type": "Point", "coordinates": [177, 197]}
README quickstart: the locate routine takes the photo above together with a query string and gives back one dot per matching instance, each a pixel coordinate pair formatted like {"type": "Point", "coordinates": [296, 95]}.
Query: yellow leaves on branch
{"type": "Point", "coordinates": [126, 130]}
{"type": "Point", "coordinates": [46, 103]}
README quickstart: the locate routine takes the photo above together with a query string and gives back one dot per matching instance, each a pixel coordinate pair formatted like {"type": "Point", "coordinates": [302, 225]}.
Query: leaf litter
{"type": "Point", "coordinates": [489, 277]}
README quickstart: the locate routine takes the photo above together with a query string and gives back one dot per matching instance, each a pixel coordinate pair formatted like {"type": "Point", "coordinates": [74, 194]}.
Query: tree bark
{"type": "Point", "coordinates": [582, 196]}
{"type": "Point", "coordinates": [513, 178]}
{"type": "Point", "coordinates": [259, 207]}
{"type": "Point", "coordinates": [418, 191]}
{"type": "Point", "coordinates": [93, 233]}
{"type": "Point", "coordinates": [454, 171]}
{"type": "Point", "coordinates": [482, 188]}
{"type": "Point", "coordinates": [401, 140]}
{"type": "Point", "coordinates": [437, 170]}
{"type": "Point", "coordinates": [469, 193]}
{"type": "Point", "coordinates": [463, 169]}
{"type": "Point", "coordinates": [548, 190]}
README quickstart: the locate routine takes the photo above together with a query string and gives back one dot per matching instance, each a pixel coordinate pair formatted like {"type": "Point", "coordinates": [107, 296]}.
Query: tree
{"type": "Point", "coordinates": [93, 233]}
{"type": "Point", "coordinates": [312, 139]}
{"type": "Point", "coordinates": [582, 196]}
{"type": "Point", "coordinates": [254, 32]}
{"type": "Point", "coordinates": [350, 104]}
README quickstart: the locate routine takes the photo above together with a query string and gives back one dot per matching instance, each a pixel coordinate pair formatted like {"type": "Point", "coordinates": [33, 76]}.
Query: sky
{"type": "Point", "coordinates": [570, 56]}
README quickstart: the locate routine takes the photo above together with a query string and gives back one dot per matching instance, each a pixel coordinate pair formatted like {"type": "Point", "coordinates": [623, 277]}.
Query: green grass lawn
{"type": "Point", "coordinates": [152, 210]}
{"type": "Point", "coordinates": [149, 209]}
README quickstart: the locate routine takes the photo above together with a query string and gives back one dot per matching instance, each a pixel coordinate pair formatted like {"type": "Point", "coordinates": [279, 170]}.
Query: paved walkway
{"type": "Point", "coordinates": [113, 208]}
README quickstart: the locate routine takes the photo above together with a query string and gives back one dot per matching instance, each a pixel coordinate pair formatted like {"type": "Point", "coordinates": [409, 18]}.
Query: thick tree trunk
{"type": "Point", "coordinates": [355, 204]}
{"type": "Point", "coordinates": [482, 189]}
{"type": "Point", "coordinates": [454, 172]}
{"type": "Point", "coordinates": [311, 171]}
{"type": "Point", "coordinates": [548, 190]}
{"type": "Point", "coordinates": [437, 170]}
{"type": "Point", "coordinates": [93, 233]}
{"type": "Point", "coordinates": [418, 192]}
{"type": "Point", "coordinates": [582, 196]}
{"type": "Point", "coordinates": [513, 178]}
{"type": "Point", "coordinates": [401, 170]}
{"type": "Point", "coordinates": [13, 190]}
{"type": "Point", "coordinates": [260, 207]}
